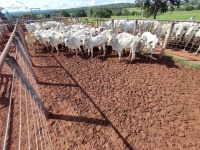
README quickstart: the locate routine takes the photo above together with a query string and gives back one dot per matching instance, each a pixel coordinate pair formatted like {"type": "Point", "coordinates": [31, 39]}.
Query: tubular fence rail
{"type": "Point", "coordinates": [31, 125]}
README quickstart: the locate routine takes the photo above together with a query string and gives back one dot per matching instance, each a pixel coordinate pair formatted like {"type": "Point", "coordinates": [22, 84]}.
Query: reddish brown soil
{"type": "Point", "coordinates": [100, 103]}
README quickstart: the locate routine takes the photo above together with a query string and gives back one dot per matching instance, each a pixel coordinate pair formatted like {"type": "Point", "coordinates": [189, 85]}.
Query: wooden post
{"type": "Point", "coordinates": [77, 20]}
{"type": "Point", "coordinates": [113, 24]}
{"type": "Point", "coordinates": [86, 21]}
{"type": "Point", "coordinates": [136, 25]}
{"type": "Point", "coordinates": [97, 23]}
{"type": "Point", "coordinates": [167, 37]}
{"type": "Point", "coordinates": [24, 58]}
{"type": "Point", "coordinates": [13, 65]}
{"type": "Point", "coordinates": [71, 21]}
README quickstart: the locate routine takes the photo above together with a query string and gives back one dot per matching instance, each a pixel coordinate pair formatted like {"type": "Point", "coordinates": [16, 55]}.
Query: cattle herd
{"type": "Point", "coordinates": [123, 35]}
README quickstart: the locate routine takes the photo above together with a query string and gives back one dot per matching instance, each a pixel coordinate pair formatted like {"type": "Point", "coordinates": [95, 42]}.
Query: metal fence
{"type": "Point", "coordinates": [31, 126]}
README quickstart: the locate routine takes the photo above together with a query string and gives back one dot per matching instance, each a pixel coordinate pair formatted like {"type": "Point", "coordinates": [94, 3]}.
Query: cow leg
{"type": "Point", "coordinates": [133, 54]}
{"type": "Point", "coordinates": [91, 52]}
{"type": "Point", "coordinates": [80, 50]}
{"type": "Point", "coordinates": [120, 55]}
{"type": "Point", "coordinates": [88, 52]}
{"type": "Point", "coordinates": [104, 51]}
{"type": "Point", "coordinates": [62, 47]}
{"type": "Point", "coordinates": [57, 49]}
{"type": "Point", "coordinates": [197, 50]}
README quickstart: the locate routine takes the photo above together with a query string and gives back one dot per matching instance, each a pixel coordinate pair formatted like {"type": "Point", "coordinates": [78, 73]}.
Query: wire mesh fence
{"type": "Point", "coordinates": [26, 126]}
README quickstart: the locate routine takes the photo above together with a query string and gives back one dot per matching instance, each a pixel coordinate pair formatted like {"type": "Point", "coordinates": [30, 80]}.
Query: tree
{"type": "Point", "coordinates": [13, 16]}
{"type": "Point", "coordinates": [65, 13]}
{"type": "Point", "coordinates": [90, 12]}
{"type": "Point", "coordinates": [2, 14]}
{"type": "Point", "coordinates": [125, 12]}
{"type": "Point", "coordinates": [152, 7]}
{"type": "Point", "coordinates": [102, 13]}
{"type": "Point", "coordinates": [33, 16]}
{"type": "Point", "coordinates": [46, 15]}
{"type": "Point", "coordinates": [81, 13]}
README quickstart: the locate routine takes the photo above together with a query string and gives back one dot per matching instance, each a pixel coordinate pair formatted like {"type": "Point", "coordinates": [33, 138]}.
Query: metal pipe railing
{"type": "Point", "coordinates": [7, 48]}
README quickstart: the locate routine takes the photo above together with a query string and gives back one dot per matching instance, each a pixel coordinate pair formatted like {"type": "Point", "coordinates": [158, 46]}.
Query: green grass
{"type": "Point", "coordinates": [175, 15]}
{"type": "Point", "coordinates": [184, 62]}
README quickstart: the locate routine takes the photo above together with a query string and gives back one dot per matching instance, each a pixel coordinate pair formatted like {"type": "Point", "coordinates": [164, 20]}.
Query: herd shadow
{"type": "Point", "coordinates": [140, 57]}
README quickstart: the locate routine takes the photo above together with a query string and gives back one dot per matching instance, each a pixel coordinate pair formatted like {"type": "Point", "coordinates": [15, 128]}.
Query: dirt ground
{"type": "Point", "coordinates": [100, 103]}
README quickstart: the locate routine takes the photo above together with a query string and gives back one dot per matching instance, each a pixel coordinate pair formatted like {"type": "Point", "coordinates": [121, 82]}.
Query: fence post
{"type": "Point", "coordinates": [113, 24]}
{"type": "Point", "coordinates": [97, 23]}
{"type": "Point", "coordinates": [12, 63]}
{"type": "Point", "coordinates": [77, 20]}
{"type": "Point", "coordinates": [86, 21]}
{"type": "Point", "coordinates": [136, 25]}
{"type": "Point", "coordinates": [71, 21]}
{"type": "Point", "coordinates": [167, 37]}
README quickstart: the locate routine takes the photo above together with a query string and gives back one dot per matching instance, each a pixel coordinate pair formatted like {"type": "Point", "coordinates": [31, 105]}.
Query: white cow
{"type": "Point", "coordinates": [196, 40]}
{"type": "Point", "coordinates": [150, 41]}
{"type": "Point", "coordinates": [127, 26]}
{"type": "Point", "coordinates": [74, 42]}
{"type": "Point", "coordinates": [190, 34]}
{"type": "Point", "coordinates": [97, 41]}
{"type": "Point", "coordinates": [54, 39]}
{"type": "Point", "coordinates": [124, 42]}
{"type": "Point", "coordinates": [180, 32]}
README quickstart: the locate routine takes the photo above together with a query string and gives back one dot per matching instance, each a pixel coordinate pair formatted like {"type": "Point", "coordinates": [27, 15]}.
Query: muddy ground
{"type": "Point", "coordinates": [100, 103]}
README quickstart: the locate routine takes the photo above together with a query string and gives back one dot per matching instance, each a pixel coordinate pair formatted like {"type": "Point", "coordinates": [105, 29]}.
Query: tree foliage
{"type": "Point", "coordinates": [90, 12]}
{"type": "Point", "coordinates": [47, 15]}
{"type": "Point", "coordinates": [33, 16]}
{"type": "Point", "coordinates": [81, 13]}
{"type": "Point", "coordinates": [2, 14]}
{"type": "Point", "coordinates": [102, 13]}
{"type": "Point", "coordinates": [65, 13]}
{"type": "Point", "coordinates": [152, 7]}
{"type": "Point", "coordinates": [125, 12]}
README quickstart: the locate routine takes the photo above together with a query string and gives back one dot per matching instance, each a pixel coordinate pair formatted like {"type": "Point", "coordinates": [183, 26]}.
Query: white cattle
{"type": "Point", "coordinates": [145, 25]}
{"type": "Point", "coordinates": [127, 26]}
{"type": "Point", "coordinates": [150, 41]}
{"type": "Point", "coordinates": [32, 42]}
{"type": "Point", "coordinates": [124, 42]}
{"type": "Point", "coordinates": [190, 34]}
{"type": "Point", "coordinates": [107, 24]}
{"type": "Point", "coordinates": [180, 32]}
{"type": "Point", "coordinates": [74, 42]}
{"type": "Point", "coordinates": [41, 36]}
{"type": "Point", "coordinates": [54, 39]}
{"type": "Point", "coordinates": [97, 41]}
{"type": "Point", "coordinates": [93, 31]}
{"type": "Point", "coordinates": [196, 40]}
{"type": "Point", "coordinates": [160, 30]}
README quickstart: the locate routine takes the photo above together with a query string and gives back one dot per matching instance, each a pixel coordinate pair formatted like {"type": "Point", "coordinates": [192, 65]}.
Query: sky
{"type": "Point", "coordinates": [24, 5]}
